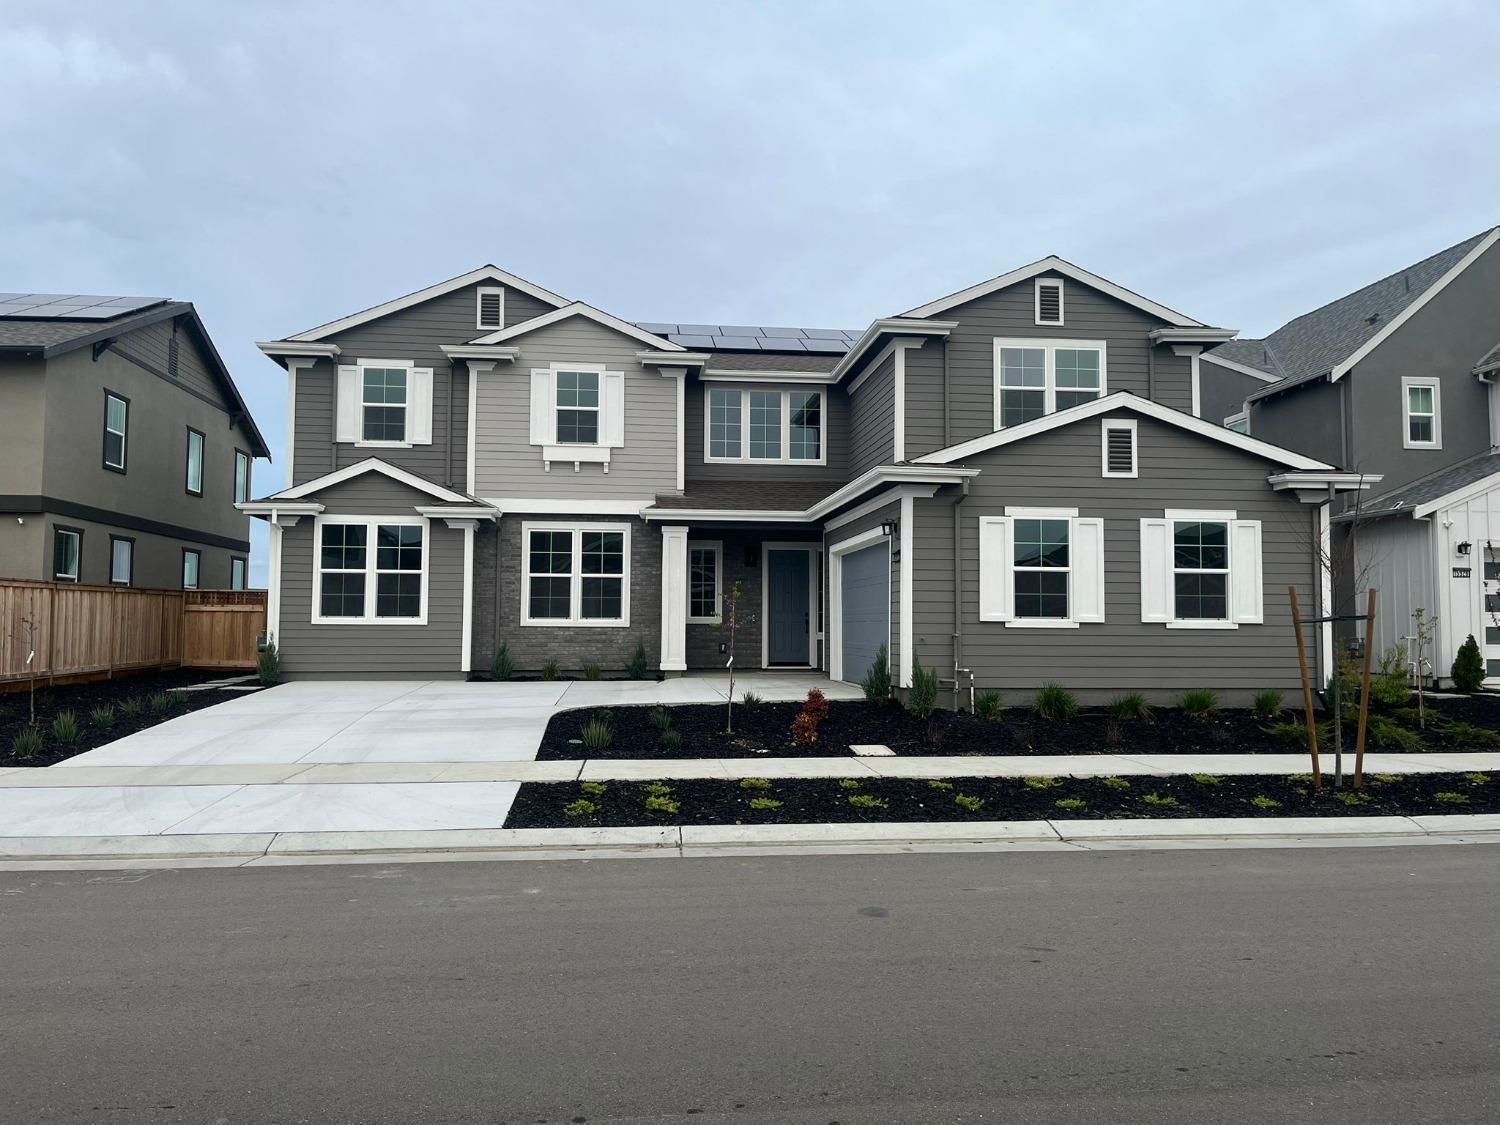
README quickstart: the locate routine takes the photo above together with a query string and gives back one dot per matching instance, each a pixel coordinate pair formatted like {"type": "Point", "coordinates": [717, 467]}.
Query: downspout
{"type": "Point", "coordinates": [958, 594]}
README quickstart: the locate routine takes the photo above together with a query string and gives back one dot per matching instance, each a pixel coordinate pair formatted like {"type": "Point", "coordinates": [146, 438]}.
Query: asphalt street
{"type": "Point", "coordinates": [1328, 985]}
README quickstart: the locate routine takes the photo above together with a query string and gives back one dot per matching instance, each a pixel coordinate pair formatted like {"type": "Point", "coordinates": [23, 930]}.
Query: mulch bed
{"type": "Point", "coordinates": [765, 730]}
{"type": "Point", "coordinates": [84, 699]}
{"type": "Point", "coordinates": [618, 804]}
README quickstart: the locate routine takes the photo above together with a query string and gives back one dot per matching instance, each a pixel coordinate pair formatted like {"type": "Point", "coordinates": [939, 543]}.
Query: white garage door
{"type": "Point", "coordinates": [865, 612]}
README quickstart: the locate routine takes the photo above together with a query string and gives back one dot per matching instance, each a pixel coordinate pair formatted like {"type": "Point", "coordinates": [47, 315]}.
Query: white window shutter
{"type": "Point", "coordinates": [1087, 551]}
{"type": "Point", "coordinates": [543, 409]}
{"type": "Point", "coordinates": [419, 406]}
{"type": "Point", "coordinates": [613, 429]}
{"type": "Point", "coordinates": [996, 586]}
{"type": "Point", "coordinates": [347, 410]}
{"type": "Point", "coordinates": [1156, 570]}
{"type": "Point", "coordinates": [1246, 595]}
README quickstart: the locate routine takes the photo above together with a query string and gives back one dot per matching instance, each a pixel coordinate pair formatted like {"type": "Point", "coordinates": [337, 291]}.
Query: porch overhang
{"type": "Point", "coordinates": [879, 477]}
{"type": "Point", "coordinates": [1318, 487]}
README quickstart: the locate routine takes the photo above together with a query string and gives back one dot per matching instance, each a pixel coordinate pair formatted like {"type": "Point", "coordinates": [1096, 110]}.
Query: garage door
{"type": "Point", "coordinates": [865, 611]}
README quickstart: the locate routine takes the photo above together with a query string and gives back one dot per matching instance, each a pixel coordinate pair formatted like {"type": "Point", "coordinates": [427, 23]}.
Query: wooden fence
{"type": "Point", "coordinates": [66, 631]}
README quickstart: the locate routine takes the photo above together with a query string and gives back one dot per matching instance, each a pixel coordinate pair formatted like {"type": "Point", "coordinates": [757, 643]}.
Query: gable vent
{"type": "Point", "coordinates": [492, 308]}
{"type": "Point", "coordinates": [1049, 302]}
{"type": "Point", "coordinates": [1119, 449]}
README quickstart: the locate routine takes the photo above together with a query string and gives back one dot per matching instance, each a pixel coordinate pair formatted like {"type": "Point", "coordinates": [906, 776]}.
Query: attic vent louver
{"type": "Point", "coordinates": [1119, 448]}
{"type": "Point", "coordinates": [1049, 301]}
{"type": "Point", "coordinates": [491, 308]}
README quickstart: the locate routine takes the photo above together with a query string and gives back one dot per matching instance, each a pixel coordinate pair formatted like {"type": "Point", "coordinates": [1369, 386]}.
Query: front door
{"type": "Point", "coordinates": [788, 578]}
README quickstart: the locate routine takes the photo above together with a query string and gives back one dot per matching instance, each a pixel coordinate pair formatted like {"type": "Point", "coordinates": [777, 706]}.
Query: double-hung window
{"type": "Point", "coordinates": [782, 427]}
{"type": "Point", "coordinates": [578, 407]}
{"type": "Point", "coordinates": [192, 562]}
{"type": "Point", "coordinates": [194, 474]}
{"type": "Point", "coordinates": [371, 570]}
{"type": "Point", "coordinates": [1041, 568]}
{"type": "Point", "coordinates": [576, 575]}
{"type": "Point", "coordinates": [1201, 570]}
{"type": "Point", "coordinates": [1423, 423]}
{"type": "Point", "coordinates": [383, 404]}
{"type": "Point", "coordinates": [236, 574]}
{"type": "Point", "coordinates": [121, 560]}
{"type": "Point", "coordinates": [116, 424]}
{"type": "Point", "coordinates": [705, 561]}
{"type": "Point", "coordinates": [241, 476]}
{"type": "Point", "coordinates": [1034, 378]}
{"type": "Point", "coordinates": [67, 549]}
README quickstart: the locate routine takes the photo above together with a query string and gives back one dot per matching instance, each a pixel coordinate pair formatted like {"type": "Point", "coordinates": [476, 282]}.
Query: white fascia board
{"type": "Point", "coordinates": [673, 359]}
{"type": "Point", "coordinates": [372, 465]}
{"type": "Point", "coordinates": [541, 505]}
{"type": "Point", "coordinates": [483, 273]}
{"type": "Point", "coordinates": [1054, 264]}
{"type": "Point", "coordinates": [719, 375]}
{"type": "Point", "coordinates": [458, 511]}
{"type": "Point", "coordinates": [722, 515]}
{"type": "Point", "coordinates": [279, 348]}
{"type": "Point", "coordinates": [1457, 496]}
{"type": "Point", "coordinates": [272, 507]}
{"type": "Point", "coordinates": [889, 326]}
{"type": "Point", "coordinates": [578, 308]}
{"type": "Point", "coordinates": [479, 351]}
{"type": "Point", "coordinates": [1123, 400]}
{"type": "Point", "coordinates": [1253, 372]}
{"type": "Point", "coordinates": [1344, 367]}
{"type": "Point", "coordinates": [1176, 335]}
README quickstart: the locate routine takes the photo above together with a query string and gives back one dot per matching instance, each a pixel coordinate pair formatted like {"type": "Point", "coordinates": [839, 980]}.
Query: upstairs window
{"type": "Point", "coordinates": [491, 308]}
{"type": "Point", "coordinates": [241, 476]}
{"type": "Point", "coordinates": [1239, 423]}
{"type": "Point", "coordinates": [383, 402]}
{"type": "Point", "coordinates": [383, 405]}
{"type": "Point", "coordinates": [1423, 428]}
{"type": "Point", "coordinates": [1049, 300]}
{"type": "Point", "coordinates": [781, 427]}
{"type": "Point", "coordinates": [116, 423]}
{"type": "Point", "coordinates": [1034, 378]}
{"type": "Point", "coordinates": [194, 473]}
{"type": "Point", "coordinates": [723, 424]}
{"type": "Point", "coordinates": [578, 407]}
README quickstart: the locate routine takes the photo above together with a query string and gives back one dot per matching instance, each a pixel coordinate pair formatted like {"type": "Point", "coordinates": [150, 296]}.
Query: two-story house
{"type": "Point", "coordinates": [1011, 483]}
{"type": "Point", "coordinates": [1396, 379]}
{"type": "Point", "coordinates": [124, 445]}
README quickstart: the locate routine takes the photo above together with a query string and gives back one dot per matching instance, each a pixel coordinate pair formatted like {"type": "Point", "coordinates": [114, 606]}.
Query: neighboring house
{"type": "Point", "coordinates": [124, 445]}
{"type": "Point", "coordinates": [1011, 481]}
{"type": "Point", "coordinates": [1396, 379]}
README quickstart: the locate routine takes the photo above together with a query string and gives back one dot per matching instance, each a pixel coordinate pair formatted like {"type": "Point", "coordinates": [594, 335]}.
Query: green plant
{"type": "Point", "coordinates": [750, 701]}
{"type": "Point", "coordinates": [1352, 797]}
{"type": "Point", "coordinates": [1041, 782]}
{"type": "Point", "coordinates": [921, 697]}
{"type": "Point", "coordinates": [867, 801]}
{"type": "Point", "coordinates": [1386, 778]}
{"type": "Point", "coordinates": [758, 783]}
{"type": "Point", "coordinates": [671, 741]}
{"type": "Point", "coordinates": [662, 805]}
{"type": "Point", "coordinates": [27, 743]}
{"type": "Point", "coordinates": [593, 788]}
{"type": "Point", "coordinates": [658, 788]}
{"type": "Point", "coordinates": [132, 706]}
{"type": "Point", "coordinates": [1158, 801]}
{"type": "Point", "coordinates": [1206, 779]}
{"type": "Point", "coordinates": [580, 807]}
{"type": "Point", "coordinates": [1384, 732]}
{"type": "Point", "coordinates": [848, 783]}
{"type": "Point", "coordinates": [764, 803]}
{"type": "Point", "coordinates": [1054, 703]}
{"type": "Point", "coordinates": [1294, 733]}
{"type": "Point", "coordinates": [65, 727]}
{"type": "Point", "coordinates": [660, 718]}
{"type": "Point", "coordinates": [639, 667]}
{"type": "Point", "coordinates": [1448, 797]}
{"type": "Point", "coordinates": [1129, 707]}
{"type": "Point", "coordinates": [968, 803]}
{"type": "Point", "coordinates": [592, 672]}
{"type": "Point", "coordinates": [1261, 801]}
{"type": "Point", "coordinates": [1198, 702]}
{"type": "Point", "coordinates": [936, 784]}
{"type": "Point", "coordinates": [102, 716]}
{"type": "Point", "coordinates": [987, 705]}
{"type": "Point", "coordinates": [1267, 705]}
{"type": "Point", "coordinates": [159, 702]}
{"type": "Point", "coordinates": [805, 725]}
{"type": "Point", "coordinates": [502, 667]}
{"type": "Point", "coordinates": [1300, 778]}
{"type": "Point", "coordinates": [177, 697]}
{"type": "Point", "coordinates": [1477, 778]}
{"type": "Point", "coordinates": [1468, 666]}
{"type": "Point", "coordinates": [1115, 782]}
{"type": "Point", "coordinates": [1467, 734]}
{"type": "Point", "coordinates": [268, 665]}
{"type": "Point", "coordinates": [551, 670]}
{"type": "Point", "coordinates": [1070, 804]}
{"type": "Point", "coordinates": [877, 681]}
{"type": "Point", "coordinates": [597, 735]}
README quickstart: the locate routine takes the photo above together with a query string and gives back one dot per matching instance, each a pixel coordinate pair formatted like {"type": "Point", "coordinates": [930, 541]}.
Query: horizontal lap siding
{"type": "Point", "coordinates": [152, 343]}
{"type": "Point", "coordinates": [835, 433]}
{"type": "Point", "coordinates": [924, 399]}
{"type": "Point", "coordinates": [509, 465]}
{"type": "Point", "coordinates": [1062, 469]}
{"type": "Point", "coordinates": [872, 419]}
{"type": "Point", "coordinates": [832, 539]}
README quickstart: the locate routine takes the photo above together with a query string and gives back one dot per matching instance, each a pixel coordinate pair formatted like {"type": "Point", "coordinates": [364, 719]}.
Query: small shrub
{"type": "Point", "coordinates": [1158, 801]}
{"type": "Point", "coordinates": [639, 667]}
{"type": "Point", "coordinates": [1294, 733]}
{"type": "Point", "coordinates": [1129, 707]}
{"type": "Point", "coordinates": [102, 716]}
{"type": "Point", "coordinates": [877, 681]}
{"type": "Point", "coordinates": [658, 788]}
{"type": "Point", "coordinates": [1261, 801]}
{"type": "Point", "coordinates": [1070, 804]}
{"type": "Point", "coordinates": [592, 672]}
{"type": "Point", "coordinates": [1351, 797]}
{"type": "Point", "coordinates": [921, 697]}
{"type": "Point", "coordinates": [502, 667]}
{"type": "Point", "coordinates": [1042, 782]}
{"type": "Point", "coordinates": [593, 788]}
{"type": "Point", "coordinates": [1448, 797]}
{"type": "Point", "coordinates": [159, 702]}
{"type": "Point", "coordinates": [1055, 702]}
{"type": "Point", "coordinates": [177, 697]}
{"type": "Point", "coordinates": [936, 784]}
{"type": "Point", "coordinates": [1386, 778]}
{"type": "Point", "coordinates": [671, 741]}
{"type": "Point", "coordinates": [968, 803]}
{"type": "Point", "coordinates": [1468, 666]}
{"type": "Point", "coordinates": [1300, 778]}
{"type": "Point", "coordinates": [805, 725]}
{"type": "Point", "coordinates": [1467, 734]}
{"type": "Point", "coordinates": [750, 701]}
{"type": "Point", "coordinates": [551, 670]}
{"type": "Point", "coordinates": [660, 718]}
{"type": "Point", "coordinates": [1116, 782]}
{"type": "Point", "coordinates": [580, 807]}
{"type": "Point", "coordinates": [1477, 778]}
{"type": "Point", "coordinates": [758, 783]}
{"type": "Point", "coordinates": [987, 705]}
{"type": "Point", "coordinates": [662, 805]}
{"type": "Point", "coordinates": [27, 743]}
{"type": "Point", "coordinates": [268, 665]}
{"type": "Point", "coordinates": [597, 735]}
{"type": "Point", "coordinates": [1267, 705]}
{"type": "Point", "coordinates": [1206, 779]}
{"type": "Point", "coordinates": [848, 783]}
{"type": "Point", "coordinates": [132, 707]}
{"type": "Point", "coordinates": [65, 728]}
{"type": "Point", "coordinates": [1198, 702]}
{"type": "Point", "coordinates": [868, 801]}
{"type": "Point", "coordinates": [764, 804]}
{"type": "Point", "coordinates": [1389, 735]}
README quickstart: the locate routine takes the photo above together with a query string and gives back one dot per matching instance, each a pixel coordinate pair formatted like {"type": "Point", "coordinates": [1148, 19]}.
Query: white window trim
{"type": "Point", "coordinates": [479, 296]}
{"type": "Point", "coordinates": [129, 579]}
{"type": "Point", "coordinates": [197, 566]}
{"type": "Point", "coordinates": [1242, 416]}
{"type": "Point", "coordinates": [598, 408]}
{"type": "Point", "coordinates": [242, 458]}
{"type": "Point", "coordinates": [406, 408]}
{"type": "Point", "coordinates": [786, 427]}
{"type": "Point", "coordinates": [1049, 387]}
{"type": "Point", "coordinates": [717, 547]}
{"type": "Point", "coordinates": [244, 566]}
{"type": "Point", "coordinates": [575, 574]}
{"type": "Point", "coordinates": [371, 574]}
{"type": "Point", "coordinates": [1174, 516]}
{"type": "Point", "coordinates": [1016, 622]}
{"type": "Point", "coordinates": [187, 475]}
{"type": "Point", "coordinates": [1117, 424]}
{"type": "Point", "coordinates": [1408, 382]}
{"type": "Point", "coordinates": [1061, 298]}
{"type": "Point", "coordinates": [57, 575]}
{"type": "Point", "coordinates": [124, 434]}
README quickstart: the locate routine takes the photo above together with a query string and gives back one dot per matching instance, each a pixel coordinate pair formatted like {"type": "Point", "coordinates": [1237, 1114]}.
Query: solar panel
{"type": "Point", "coordinates": [739, 330]}
{"type": "Point", "coordinates": [823, 333]}
{"type": "Point", "coordinates": [658, 329]}
{"type": "Point", "coordinates": [691, 341]}
{"type": "Point", "coordinates": [738, 343]}
{"type": "Point", "coordinates": [75, 306]}
{"type": "Point", "coordinates": [829, 347]}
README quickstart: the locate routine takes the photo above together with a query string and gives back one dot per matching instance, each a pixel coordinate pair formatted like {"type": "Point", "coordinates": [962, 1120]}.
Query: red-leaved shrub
{"type": "Point", "coordinates": [805, 725]}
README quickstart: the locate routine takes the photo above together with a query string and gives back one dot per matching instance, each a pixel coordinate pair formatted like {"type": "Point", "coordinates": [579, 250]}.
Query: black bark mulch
{"type": "Point", "coordinates": [84, 699]}
{"type": "Point", "coordinates": [765, 729]}
{"type": "Point", "coordinates": [616, 804]}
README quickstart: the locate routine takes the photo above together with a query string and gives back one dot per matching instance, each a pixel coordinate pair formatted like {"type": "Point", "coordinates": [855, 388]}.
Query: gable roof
{"type": "Point", "coordinates": [1425, 495]}
{"type": "Point", "coordinates": [754, 338]}
{"type": "Point", "coordinates": [359, 469]}
{"type": "Point", "coordinates": [578, 308]}
{"type": "Point", "coordinates": [1490, 361]}
{"type": "Point", "coordinates": [1054, 264]}
{"type": "Point", "coordinates": [375, 312]}
{"type": "Point", "coordinates": [1248, 357]}
{"type": "Point", "coordinates": [1122, 400]}
{"type": "Point", "coordinates": [1328, 341]}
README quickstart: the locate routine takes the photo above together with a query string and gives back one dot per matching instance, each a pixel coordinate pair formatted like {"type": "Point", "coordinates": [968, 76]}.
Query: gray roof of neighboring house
{"type": "Point", "coordinates": [1247, 353]}
{"type": "Point", "coordinates": [1434, 486]}
{"type": "Point", "coordinates": [747, 495]}
{"type": "Point", "coordinates": [1489, 361]}
{"type": "Point", "coordinates": [754, 338]}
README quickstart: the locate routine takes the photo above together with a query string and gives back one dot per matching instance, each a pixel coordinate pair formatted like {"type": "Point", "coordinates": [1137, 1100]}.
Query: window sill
{"type": "Point", "coordinates": [578, 454]}
{"type": "Point", "coordinates": [369, 621]}
{"type": "Point", "coordinates": [1203, 625]}
{"type": "Point", "coordinates": [705, 620]}
{"type": "Point", "coordinates": [810, 462]}
{"type": "Point", "coordinates": [1039, 623]}
{"type": "Point", "coordinates": [1422, 445]}
{"type": "Point", "coordinates": [570, 624]}
{"type": "Point", "coordinates": [382, 444]}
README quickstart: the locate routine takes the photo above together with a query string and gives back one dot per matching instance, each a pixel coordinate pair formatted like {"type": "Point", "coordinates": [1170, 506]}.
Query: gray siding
{"type": "Point", "coordinates": [832, 539]}
{"type": "Point", "coordinates": [1061, 469]}
{"type": "Point", "coordinates": [309, 650]}
{"type": "Point", "coordinates": [925, 399]}
{"type": "Point", "coordinates": [872, 413]}
{"type": "Point", "coordinates": [509, 465]}
{"type": "Point", "coordinates": [153, 344]}
{"type": "Point", "coordinates": [835, 431]}
{"type": "Point", "coordinates": [1222, 392]}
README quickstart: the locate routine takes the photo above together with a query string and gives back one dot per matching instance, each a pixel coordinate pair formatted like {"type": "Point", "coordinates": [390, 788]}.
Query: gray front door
{"type": "Point", "coordinates": [865, 608]}
{"type": "Point", "coordinates": [788, 575]}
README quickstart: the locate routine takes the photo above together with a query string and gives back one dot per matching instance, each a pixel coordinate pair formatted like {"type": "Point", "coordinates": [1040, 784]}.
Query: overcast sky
{"type": "Point", "coordinates": [818, 164]}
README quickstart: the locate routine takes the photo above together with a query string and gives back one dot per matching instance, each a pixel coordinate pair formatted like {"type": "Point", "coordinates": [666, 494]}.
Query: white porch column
{"type": "Point", "coordinates": [674, 599]}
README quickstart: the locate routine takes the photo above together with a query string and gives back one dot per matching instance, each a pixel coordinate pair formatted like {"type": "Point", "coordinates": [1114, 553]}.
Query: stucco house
{"type": "Point", "coordinates": [1010, 484]}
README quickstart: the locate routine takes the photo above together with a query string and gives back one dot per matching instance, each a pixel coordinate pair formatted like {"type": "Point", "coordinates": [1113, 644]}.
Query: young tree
{"type": "Point", "coordinates": [732, 624]}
